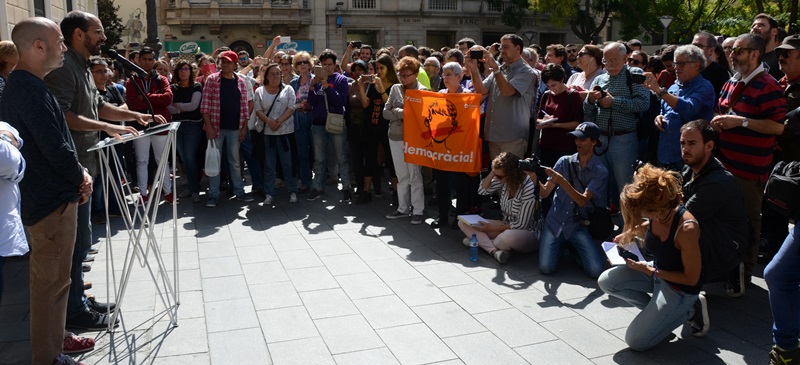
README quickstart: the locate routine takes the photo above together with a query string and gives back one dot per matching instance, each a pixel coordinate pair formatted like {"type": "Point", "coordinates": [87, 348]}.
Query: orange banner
{"type": "Point", "coordinates": [442, 130]}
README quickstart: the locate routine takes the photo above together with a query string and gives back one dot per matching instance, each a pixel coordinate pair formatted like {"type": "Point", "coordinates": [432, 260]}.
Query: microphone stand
{"type": "Point", "coordinates": [141, 92]}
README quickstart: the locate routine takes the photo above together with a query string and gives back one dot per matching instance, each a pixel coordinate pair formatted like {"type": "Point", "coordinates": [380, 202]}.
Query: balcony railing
{"type": "Point", "coordinates": [363, 4]}
{"type": "Point", "coordinates": [281, 3]}
{"type": "Point", "coordinates": [442, 4]}
{"type": "Point", "coordinates": [498, 8]}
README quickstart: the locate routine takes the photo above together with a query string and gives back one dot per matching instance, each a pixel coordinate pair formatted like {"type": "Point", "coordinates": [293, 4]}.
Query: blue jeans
{"type": "Point", "coordinates": [783, 281]}
{"type": "Point", "coordinates": [278, 146]}
{"type": "Point", "coordinates": [550, 248]}
{"type": "Point", "coordinates": [256, 172]}
{"type": "Point", "coordinates": [619, 160]}
{"type": "Point", "coordinates": [661, 313]}
{"type": "Point", "coordinates": [228, 144]}
{"type": "Point", "coordinates": [190, 135]}
{"type": "Point", "coordinates": [321, 139]}
{"type": "Point", "coordinates": [302, 134]}
{"type": "Point", "coordinates": [76, 300]}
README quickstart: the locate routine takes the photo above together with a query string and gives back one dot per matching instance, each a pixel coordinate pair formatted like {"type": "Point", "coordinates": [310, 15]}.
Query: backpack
{"type": "Point", "coordinates": [782, 191]}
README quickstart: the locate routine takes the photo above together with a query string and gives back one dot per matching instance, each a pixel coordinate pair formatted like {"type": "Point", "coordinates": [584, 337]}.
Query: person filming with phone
{"type": "Point", "coordinates": [578, 182]}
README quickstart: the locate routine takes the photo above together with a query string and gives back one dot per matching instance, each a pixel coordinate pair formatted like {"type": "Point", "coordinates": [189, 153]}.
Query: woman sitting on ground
{"type": "Point", "coordinates": [517, 201]}
{"type": "Point", "coordinates": [668, 291]}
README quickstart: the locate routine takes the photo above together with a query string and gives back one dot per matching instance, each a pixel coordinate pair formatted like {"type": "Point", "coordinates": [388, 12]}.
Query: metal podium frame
{"type": "Point", "coordinates": [140, 223]}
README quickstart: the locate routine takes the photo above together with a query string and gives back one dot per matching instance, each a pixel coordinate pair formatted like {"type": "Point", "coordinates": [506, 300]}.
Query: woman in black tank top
{"type": "Point", "coordinates": [668, 289]}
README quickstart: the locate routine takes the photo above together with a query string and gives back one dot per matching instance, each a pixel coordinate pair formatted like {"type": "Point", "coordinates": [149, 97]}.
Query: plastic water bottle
{"type": "Point", "coordinates": [473, 248]}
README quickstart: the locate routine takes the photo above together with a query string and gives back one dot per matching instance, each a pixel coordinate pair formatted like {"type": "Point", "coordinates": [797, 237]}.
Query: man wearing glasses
{"type": "Point", "coordinates": [714, 72]}
{"type": "Point", "coordinates": [751, 111]}
{"type": "Point", "coordinates": [613, 104]}
{"type": "Point", "coordinates": [572, 57]}
{"type": "Point", "coordinates": [689, 98]}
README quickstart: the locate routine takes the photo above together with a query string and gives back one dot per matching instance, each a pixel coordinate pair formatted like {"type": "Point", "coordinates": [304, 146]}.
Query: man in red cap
{"type": "Point", "coordinates": [225, 110]}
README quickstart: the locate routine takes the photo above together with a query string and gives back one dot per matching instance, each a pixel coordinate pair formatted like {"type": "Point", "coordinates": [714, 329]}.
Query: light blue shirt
{"type": "Point", "coordinates": [695, 100]}
{"type": "Point", "coordinates": [561, 217]}
{"type": "Point", "coordinates": [12, 170]}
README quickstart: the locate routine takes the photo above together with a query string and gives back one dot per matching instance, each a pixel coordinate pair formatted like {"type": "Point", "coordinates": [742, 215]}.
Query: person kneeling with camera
{"type": "Point", "coordinates": [517, 201]}
{"type": "Point", "coordinates": [577, 181]}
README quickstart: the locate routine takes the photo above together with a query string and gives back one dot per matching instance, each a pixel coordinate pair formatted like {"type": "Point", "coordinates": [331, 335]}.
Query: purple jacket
{"type": "Point", "coordinates": [337, 98]}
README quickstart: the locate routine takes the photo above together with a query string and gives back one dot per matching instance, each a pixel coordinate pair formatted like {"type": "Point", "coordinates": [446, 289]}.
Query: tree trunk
{"type": "Point", "coordinates": [793, 18]}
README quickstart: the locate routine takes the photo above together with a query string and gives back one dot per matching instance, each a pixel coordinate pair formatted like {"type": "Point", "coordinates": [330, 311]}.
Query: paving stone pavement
{"type": "Point", "coordinates": [326, 282]}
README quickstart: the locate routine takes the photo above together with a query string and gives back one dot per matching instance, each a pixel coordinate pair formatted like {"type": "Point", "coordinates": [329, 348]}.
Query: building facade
{"type": "Point", "coordinates": [13, 11]}
{"type": "Point", "coordinates": [314, 25]}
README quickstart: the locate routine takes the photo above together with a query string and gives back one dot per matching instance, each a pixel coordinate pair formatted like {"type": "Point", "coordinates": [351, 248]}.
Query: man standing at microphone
{"type": "Point", "coordinates": [77, 95]}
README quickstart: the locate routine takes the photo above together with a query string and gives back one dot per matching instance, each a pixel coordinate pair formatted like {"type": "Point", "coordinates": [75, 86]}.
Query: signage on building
{"type": "Point", "coordinates": [297, 45]}
{"type": "Point", "coordinates": [189, 47]}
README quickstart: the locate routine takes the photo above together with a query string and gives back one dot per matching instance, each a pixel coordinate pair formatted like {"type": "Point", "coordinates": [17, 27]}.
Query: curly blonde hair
{"type": "Point", "coordinates": [652, 189]}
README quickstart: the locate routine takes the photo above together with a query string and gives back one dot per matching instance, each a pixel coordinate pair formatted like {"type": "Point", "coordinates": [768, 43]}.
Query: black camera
{"type": "Point", "coordinates": [532, 164]}
{"type": "Point", "coordinates": [356, 44]}
{"type": "Point", "coordinates": [600, 89]}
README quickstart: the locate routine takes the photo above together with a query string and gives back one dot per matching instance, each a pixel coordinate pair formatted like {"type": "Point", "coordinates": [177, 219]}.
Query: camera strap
{"type": "Point", "coordinates": [574, 173]}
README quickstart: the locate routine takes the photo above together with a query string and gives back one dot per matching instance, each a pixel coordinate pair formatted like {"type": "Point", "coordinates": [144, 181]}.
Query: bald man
{"type": "Point", "coordinates": [54, 185]}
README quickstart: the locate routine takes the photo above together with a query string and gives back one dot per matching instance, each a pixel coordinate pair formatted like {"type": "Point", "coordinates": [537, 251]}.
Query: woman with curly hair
{"type": "Point", "coordinates": [517, 201]}
{"type": "Point", "coordinates": [668, 289]}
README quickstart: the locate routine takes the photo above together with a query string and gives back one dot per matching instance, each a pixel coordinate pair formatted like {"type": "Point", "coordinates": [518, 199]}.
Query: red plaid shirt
{"type": "Point", "coordinates": [210, 104]}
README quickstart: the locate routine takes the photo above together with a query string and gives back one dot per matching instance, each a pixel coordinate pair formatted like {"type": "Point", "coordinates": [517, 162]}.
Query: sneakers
{"type": "Point", "coordinates": [85, 267]}
{"type": "Point", "coordinates": [314, 195]}
{"type": "Point", "coordinates": [292, 198]}
{"type": "Point", "coordinates": [100, 307]}
{"type": "Point", "coordinates": [269, 200]}
{"type": "Point", "coordinates": [699, 321]}
{"type": "Point", "coordinates": [169, 198]}
{"type": "Point", "coordinates": [734, 287]}
{"type": "Point", "coordinates": [93, 251]}
{"type": "Point", "coordinates": [245, 198]}
{"type": "Point", "coordinates": [396, 215]}
{"type": "Point", "coordinates": [89, 320]}
{"type": "Point", "coordinates": [142, 200]}
{"type": "Point", "coordinates": [346, 195]}
{"type": "Point", "coordinates": [501, 256]}
{"type": "Point", "coordinates": [780, 356]}
{"type": "Point", "coordinates": [65, 360]}
{"type": "Point", "coordinates": [89, 258]}
{"type": "Point", "coordinates": [87, 285]}
{"type": "Point", "coordinates": [211, 202]}
{"type": "Point", "coordinates": [416, 219]}
{"type": "Point", "coordinates": [76, 345]}
{"type": "Point", "coordinates": [195, 198]}
{"type": "Point", "coordinates": [364, 198]}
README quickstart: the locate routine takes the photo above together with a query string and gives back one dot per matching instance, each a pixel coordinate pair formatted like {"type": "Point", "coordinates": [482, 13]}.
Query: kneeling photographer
{"type": "Point", "coordinates": [517, 201]}
{"type": "Point", "coordinates": [578, 182]}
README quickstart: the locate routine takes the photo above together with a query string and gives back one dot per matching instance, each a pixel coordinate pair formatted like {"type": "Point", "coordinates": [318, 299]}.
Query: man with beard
{"type": "Point", "coordinates": [77, 95]}
{"type": "Point", "coordinates": [766, 27]}
{"type": "Point", "coordinates": [711, 195]}
{"type": "Point", "coordinates": [714, 72]}
{"type": "Point", "coordinates": [572, 57]}
{"type": "Point", "coordinates": [752, 109]}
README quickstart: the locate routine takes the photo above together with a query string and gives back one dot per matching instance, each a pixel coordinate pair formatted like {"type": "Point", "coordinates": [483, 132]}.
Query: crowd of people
{"type": "Point", "coordinates": [681, 142]}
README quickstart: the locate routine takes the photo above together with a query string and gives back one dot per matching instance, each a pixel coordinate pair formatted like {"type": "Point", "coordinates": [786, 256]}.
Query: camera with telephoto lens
{"type": "Point", "coordinates": [532, 164]}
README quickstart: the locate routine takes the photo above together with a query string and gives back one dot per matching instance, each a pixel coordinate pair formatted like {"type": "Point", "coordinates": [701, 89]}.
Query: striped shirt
{"type": "Point", "coordinates": [744, 152]}
{"type": "Point", "coordinates": [210, 104]}
{"type": "Point", "coordinates": [517, 211]}
{"type": "Point", "coordinates": [625, 107]}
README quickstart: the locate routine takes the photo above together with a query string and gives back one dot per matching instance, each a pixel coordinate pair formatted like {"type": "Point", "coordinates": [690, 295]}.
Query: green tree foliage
{"type": "Point", "coordinates": [112, 23]}
{"type": "Point", "coordinates": [586, 18]}
{"type": "Point", "coordinates": [738, 19]}
{"type": "Point", "coordinates": [639, 16]}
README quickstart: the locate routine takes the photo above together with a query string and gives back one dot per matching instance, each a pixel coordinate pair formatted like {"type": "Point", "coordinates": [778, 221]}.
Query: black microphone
{"type": "Point", "coordinates": [127, 63]}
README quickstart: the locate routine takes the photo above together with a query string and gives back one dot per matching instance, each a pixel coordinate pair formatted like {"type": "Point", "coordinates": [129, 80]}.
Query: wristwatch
{"type": "Point", "coordinates": [745, 122]}
{"type": "Point", "coordinates": [661, 93]}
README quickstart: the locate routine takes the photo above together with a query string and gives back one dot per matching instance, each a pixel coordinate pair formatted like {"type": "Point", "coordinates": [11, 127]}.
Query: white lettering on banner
{"type": "Point", "coordinates": [449, 157]}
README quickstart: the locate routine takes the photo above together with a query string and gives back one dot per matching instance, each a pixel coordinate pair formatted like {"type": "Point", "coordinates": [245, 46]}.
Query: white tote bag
{"type": "Point", "coordinates": [212, 159]}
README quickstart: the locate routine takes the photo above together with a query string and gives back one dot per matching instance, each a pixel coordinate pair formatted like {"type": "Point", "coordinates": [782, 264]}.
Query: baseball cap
{"type": "Point", "coordinates": [229, 56]}
{"type": "Point", "coordinates": [586, 130]}
{"type": "Point", "coordinates": [791, 42]}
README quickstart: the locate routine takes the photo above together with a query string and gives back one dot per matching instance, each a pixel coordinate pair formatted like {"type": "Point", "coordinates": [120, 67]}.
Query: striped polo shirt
{"type": "Point", "coordinates": [746, 153]}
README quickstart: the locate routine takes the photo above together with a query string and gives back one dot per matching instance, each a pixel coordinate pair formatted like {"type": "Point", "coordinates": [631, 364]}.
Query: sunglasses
{"type": "Point", "coordinates": [243, 59]}
{"type": "Point", "coordinates": [738, 50]}
{"type": "Point", "coordinates": [303, 63]}
{"type": "Point", "coordinates": [635, 61]}
{"type": "Point", "coordinates": [572, 50]}
{"type": "Point", "coordinates": [185, 69]}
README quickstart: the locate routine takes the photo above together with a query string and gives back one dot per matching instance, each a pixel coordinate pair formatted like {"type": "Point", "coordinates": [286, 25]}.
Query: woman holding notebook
{"type": "Point", "coordinates": [517, 200]}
